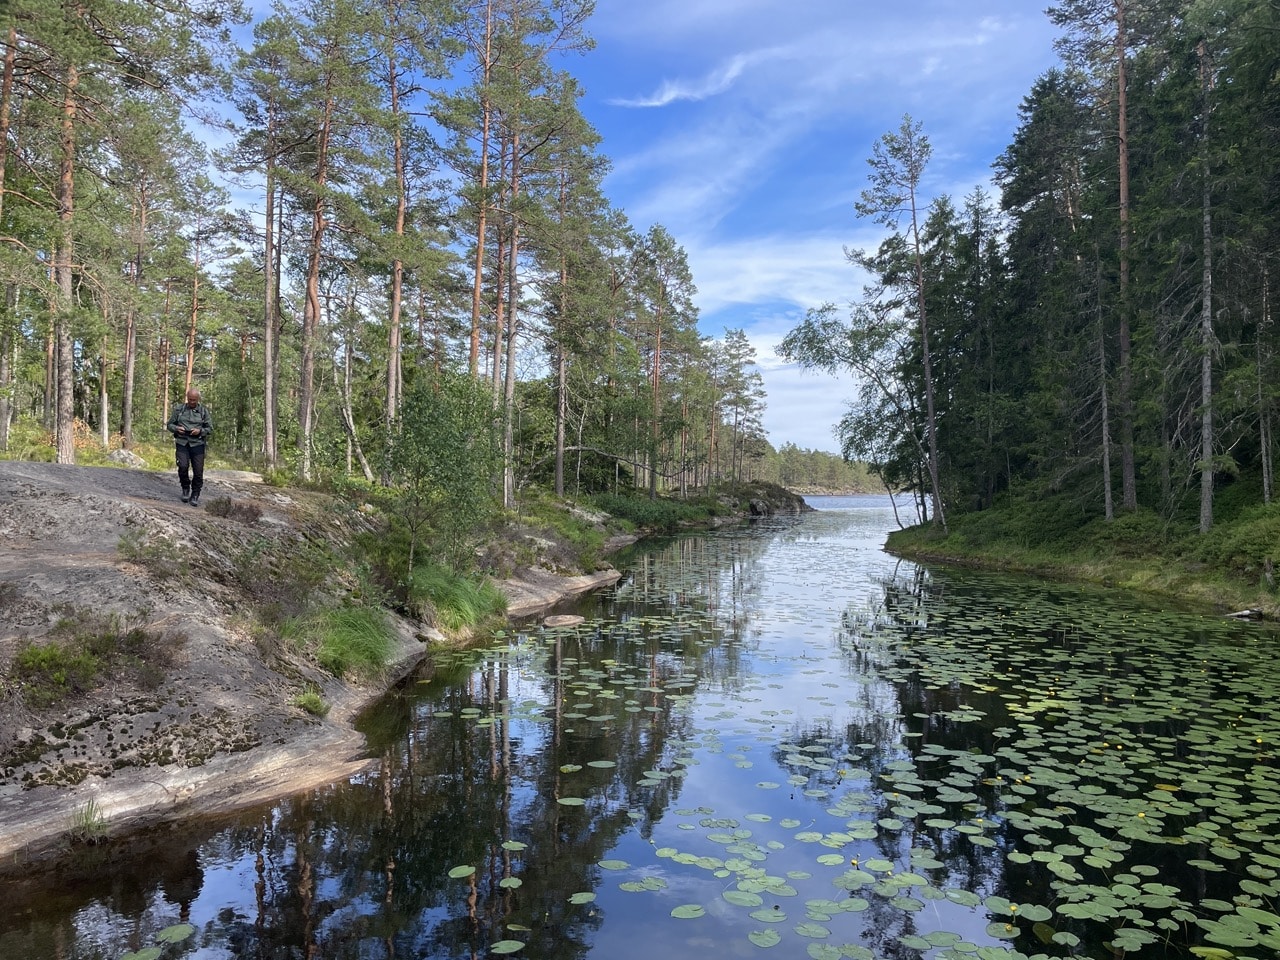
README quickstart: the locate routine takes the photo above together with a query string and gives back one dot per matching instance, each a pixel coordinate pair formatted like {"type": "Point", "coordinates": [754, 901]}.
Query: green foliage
{"type": "Point", "coordinates": [50, 672]}
{"type": "Point", "coordinates": [311, 701]}
{"type": "Point", "coordinates": [283, 577]}
{"type": "Point", "coordinates": [1248, 548]}
{"type": "Point", "coordinates": [83, 650]}
{"type": "Point", "coordinates": [153, 551]}
{"type": "Point", "coordinates": [88, 824]}
{"type": "Point", "coordinates": [1142, 533]}
{"type": "Point", "coordinates": [443, 458]}
{"type": "Point", "coordinates": [659, 514]}
{"type": "Point", "coordinates": [28, 440]}
{"type": "Point", "coordinates": [450, 600]}
{"type": "Point", "coordinates": [345, 640]}
{"type": "Point", "coordinates": [567, 524]}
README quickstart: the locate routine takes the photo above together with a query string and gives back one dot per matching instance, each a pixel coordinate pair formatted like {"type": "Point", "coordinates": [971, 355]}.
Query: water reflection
{"type": "Point", "coordinates": [778, 730]}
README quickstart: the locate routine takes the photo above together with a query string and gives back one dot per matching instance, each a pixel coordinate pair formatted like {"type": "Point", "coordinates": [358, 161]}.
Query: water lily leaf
{"type": "Point", "coordinates": [514, 845]}
{"type": "Point", "coordinates": [506, 946]}
{"type": "Point", "coordinates": [1261, 917]}
{"type": "Point", "coordinates": [146, 953]}
{"type": "Point", "coordinates": [822, 951]}
{"type": "Point", "coordinates": [585, 896]}
{"type": "Point", "coordinates": [769, 915]}
{"type": "Point", "coordinates": [688, 911]}
{"type": "Point", "coordinates": [613, 864]}
{"type": "Point", "coordinates": [814, 931]}
{"type": "Point", "coordinates": [176, 933]}
{"type": "Point", "coordinates": [571, 801]}
{"type": "Point", "coordinates": [457, 873]}
{"type": "Point", "coordinates": [767, 938]}
{"type": "Point", "coordinates": [743, 898]}
{"type": "Point", "coordinates": [1002, 931]}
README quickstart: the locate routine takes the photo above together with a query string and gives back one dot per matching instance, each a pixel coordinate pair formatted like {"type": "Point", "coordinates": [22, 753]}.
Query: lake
{"type": "Point", "coordinates": [771, 740]}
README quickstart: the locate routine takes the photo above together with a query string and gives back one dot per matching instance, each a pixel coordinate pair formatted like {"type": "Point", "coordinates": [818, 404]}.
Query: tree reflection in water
{"type": "Point", "coordinates": [781, 726]}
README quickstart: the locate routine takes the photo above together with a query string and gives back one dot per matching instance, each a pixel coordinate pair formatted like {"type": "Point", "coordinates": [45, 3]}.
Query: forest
{"type": "Point", "coordinates": [1104, 329]}
{"type": "Point", "coordinates": [408, 199]}
{"type": "Point", "coordinates": [407, 204]}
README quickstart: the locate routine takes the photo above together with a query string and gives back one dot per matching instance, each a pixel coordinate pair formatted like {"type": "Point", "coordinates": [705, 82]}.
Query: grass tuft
{"type": "Point", "coordinates": [448, 600]}
{"type": "Point", "coordinates": [88, 824]}
{"type": "Point", "coordinates": [346, 639]}
{"type": "Point", "coordinates": [311, 701]}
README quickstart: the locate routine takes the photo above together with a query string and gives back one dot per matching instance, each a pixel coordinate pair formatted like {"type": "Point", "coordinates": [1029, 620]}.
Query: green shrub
{"type": "Point", "coordinates": [661, 514]}
{"type": "Point", "coordinates": [451, 601]}
{"type": "Point", "coordinates": [1140, 534]}
{"type": "Point", "coordinates": [49, 672]}
{"type": "Point", "coordinates": [311, 701]}
{"type": "Point", "coordinates": [1247, 547]}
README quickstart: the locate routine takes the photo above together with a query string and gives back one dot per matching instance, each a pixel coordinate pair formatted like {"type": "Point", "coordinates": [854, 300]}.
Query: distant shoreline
{"type": "Point", "coordinates": [808, 491]}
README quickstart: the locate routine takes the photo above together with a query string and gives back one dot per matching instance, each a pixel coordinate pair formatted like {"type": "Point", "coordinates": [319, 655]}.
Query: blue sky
{"type": "Point", "coordinates": [744, 127]}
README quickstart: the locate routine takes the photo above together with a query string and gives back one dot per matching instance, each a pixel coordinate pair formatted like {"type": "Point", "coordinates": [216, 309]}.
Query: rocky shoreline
{"type": "Point", "coordinates": [198, 716]}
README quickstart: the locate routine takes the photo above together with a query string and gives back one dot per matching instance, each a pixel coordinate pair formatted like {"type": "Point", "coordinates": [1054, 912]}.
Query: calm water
{"type": "Point", "coordinates": [772, 740]}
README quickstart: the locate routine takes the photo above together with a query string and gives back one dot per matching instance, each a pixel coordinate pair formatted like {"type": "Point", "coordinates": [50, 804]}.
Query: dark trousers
{"type": "Point", "coordinates": [192, 459]}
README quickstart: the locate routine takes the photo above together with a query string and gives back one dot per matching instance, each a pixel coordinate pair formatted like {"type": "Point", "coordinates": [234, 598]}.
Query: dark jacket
{"type": "Point", "coordinates": [189, 417]}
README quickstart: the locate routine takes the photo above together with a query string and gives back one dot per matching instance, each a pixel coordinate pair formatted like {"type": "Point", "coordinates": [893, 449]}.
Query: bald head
{"type": "Point", "coordinates": [193, 397]}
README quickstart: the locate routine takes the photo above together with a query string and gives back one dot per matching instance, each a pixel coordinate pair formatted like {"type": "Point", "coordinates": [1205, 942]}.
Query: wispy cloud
{"type": "Point", "coordinates": [711, 84]}
{"type": "Point", "coordinates": [744, 126]}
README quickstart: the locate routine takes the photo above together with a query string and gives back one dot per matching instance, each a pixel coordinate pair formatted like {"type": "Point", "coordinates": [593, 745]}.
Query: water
{"type": "Point", "coordinates": [773, 735]}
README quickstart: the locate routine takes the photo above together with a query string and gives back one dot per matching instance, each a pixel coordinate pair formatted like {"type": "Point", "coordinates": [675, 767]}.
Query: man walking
{"type": "Point", "coordinates": [190, 426]}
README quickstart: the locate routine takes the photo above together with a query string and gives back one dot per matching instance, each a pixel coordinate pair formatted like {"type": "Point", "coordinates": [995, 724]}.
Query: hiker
{"type": "Point", "coordinates": [190, 426]}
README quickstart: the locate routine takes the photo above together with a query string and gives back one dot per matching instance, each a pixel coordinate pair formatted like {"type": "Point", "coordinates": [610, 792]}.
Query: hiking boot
{"type": "Point", "coordinates": [186, 494]}
{"type": "Point", "coordinates": [195, 499]}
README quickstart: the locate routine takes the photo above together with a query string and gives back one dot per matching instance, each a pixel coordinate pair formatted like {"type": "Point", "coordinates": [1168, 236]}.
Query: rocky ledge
{"type": "Point", "coordinates": [192, 705]}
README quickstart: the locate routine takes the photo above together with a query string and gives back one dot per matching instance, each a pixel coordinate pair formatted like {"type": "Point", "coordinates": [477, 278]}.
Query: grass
{"type": "Point", "coordinates": [451, 601]}
{"type": "Point", "coordinates": [310, 701]}
{"type": "Point", "coordinates": [85, 650]}
{"type": "Point", "coordinates": [346, 640]}
{"type": "Point", "coordinates": [584, 534]}
{"type": "Point", "coordinates": [660, 514]}
{"type": "Point", "coordinates": [1230, 568]}
{"type": "Point", "coordinates": [88, 824]}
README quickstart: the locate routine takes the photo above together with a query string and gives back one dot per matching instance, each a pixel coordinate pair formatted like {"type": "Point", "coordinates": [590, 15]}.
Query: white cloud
{"type": "Point", "coordinates": [717, 81]}
{"type": "Point", "coordinates": [756, 159]}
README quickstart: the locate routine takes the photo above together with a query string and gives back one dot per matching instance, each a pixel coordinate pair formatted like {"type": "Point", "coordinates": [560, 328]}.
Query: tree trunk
{"type": "Point", "coordinates": [348, 420]}
{"type": "Point", "coordinates": [6, 100]}
{"type": "Point", "coordinates": [1206, 302]}
{"type": "Point", "coordinates": [270, 305]}
{"type": "Point", "coordinates": [311, 305]}
{"type": "Point", "coordinates": [562, 414]}
{"type": "Point", "coordinates": [6, 365]}
{"type": "Point", "coordinates": [513, 300]}
{"type": "Point", "coordinates": [64, 420]}
{"type": "Point", "coordinates": [931, 422]}
{"type": "Point", "coordinates": [1264, 406]}
{"type": "Point", "coordinates": [655, 433]}
{"type": "Point", "coordinates": [394, 380]}
{"type": "Point", "coordinates": [1128, 472]}
{"type": "Point", "coordinates": [191, 320]}
{"type": "Point", "coordinates": [104, 402]}
{"type": "Point", "coordinates": [486, 118]}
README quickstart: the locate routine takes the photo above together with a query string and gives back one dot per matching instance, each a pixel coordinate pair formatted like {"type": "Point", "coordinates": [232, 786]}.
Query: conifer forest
{"type": "Point", "coordinates": [326, 217]}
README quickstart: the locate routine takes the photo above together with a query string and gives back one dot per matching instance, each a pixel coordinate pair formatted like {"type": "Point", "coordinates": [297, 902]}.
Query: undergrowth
{"type": "Point", "coordinates": [345, 640]}
{"type": "Point", "coordinates": [450, 600]}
